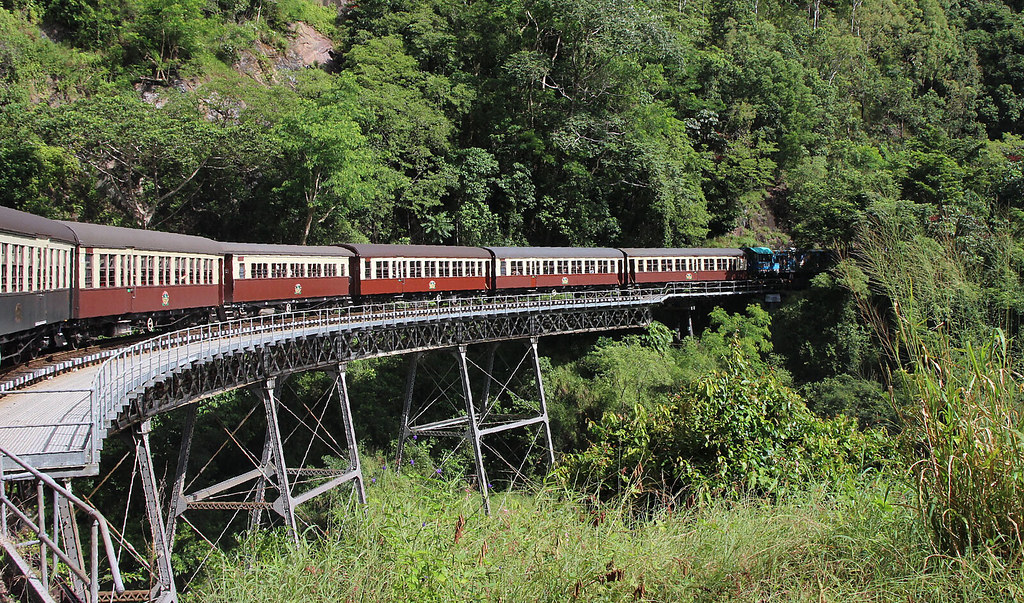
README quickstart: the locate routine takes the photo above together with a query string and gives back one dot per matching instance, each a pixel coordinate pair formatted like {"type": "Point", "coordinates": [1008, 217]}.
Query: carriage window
{"type": "Point", "coordinates": [103, 270]}
{"type": "Point", "coordinates": [16, 261]}
{"type": "Point", "coordinates": [367, 269]}
{"type": "Point", "coordinates": [3, 267]}
{"type": "Point", "coordinates": [31, 272]}
{"type": "Point", "coordinates": [241, 270]}
{"type": "Point", "coordinates": [87, 272]}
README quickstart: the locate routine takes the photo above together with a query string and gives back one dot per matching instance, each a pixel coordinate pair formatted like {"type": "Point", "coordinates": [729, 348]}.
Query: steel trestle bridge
{"type": "Point", "coordinates": [55, 429]}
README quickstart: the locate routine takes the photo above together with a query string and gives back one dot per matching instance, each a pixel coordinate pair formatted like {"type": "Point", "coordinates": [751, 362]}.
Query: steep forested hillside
{"type": "Point", "coordinates": [892, 130]}
{"type": "Point", "coordinates": [519, 121]}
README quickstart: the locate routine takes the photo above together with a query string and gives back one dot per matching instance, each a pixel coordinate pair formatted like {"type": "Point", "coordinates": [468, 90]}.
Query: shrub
{"type": "Point", "coordinates": [736, 431]}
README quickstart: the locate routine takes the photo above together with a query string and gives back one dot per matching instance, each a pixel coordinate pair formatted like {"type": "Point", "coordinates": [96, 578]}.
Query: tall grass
{"type": "Point", "coordinates": [970, 479]}
{"type": "Point", "coordinates": [961, 389]}
{"type": "Point", "coordinates": [422, 540]}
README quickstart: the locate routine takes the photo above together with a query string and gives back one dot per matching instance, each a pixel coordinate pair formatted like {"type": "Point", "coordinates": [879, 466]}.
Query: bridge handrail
{"type": "Point", "coordinates": [130, 368]}
{"type": "Point", "coordinates": [99, 528]}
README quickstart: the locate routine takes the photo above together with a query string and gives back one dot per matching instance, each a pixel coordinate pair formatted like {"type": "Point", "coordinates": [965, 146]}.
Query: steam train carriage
{"type": "Point", "coordinates": [418, 269]}
{"type": "Point", "coordinates": [144, 278]}
{"type": "Point", "coordinates": [545, 267]}
{"type": "Point", "coordinates": [257, 275]}
{"type": "Point", "coordinates": [36, 279]}
{"type": "Point", "coordinates": [649, 265]}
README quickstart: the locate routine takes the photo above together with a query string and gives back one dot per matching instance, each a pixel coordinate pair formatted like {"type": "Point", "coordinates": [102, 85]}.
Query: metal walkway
{"type": "Point", "coordinates": [59, 425]}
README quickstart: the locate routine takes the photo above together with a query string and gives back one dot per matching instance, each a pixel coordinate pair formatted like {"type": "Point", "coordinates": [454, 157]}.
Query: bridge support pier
{"type": "Point", "coordinates": [481, 419]}
{"type": "Point", "coordinates": [284, 505]}
{"type": "Point", "coordinates": [474, 430]}
{"type": "Point", "coordinates": [164, 591]}
{"type": "Point", "coordinates": [177, 504]}
{"type": "Point", "coordinates": [355, 467]}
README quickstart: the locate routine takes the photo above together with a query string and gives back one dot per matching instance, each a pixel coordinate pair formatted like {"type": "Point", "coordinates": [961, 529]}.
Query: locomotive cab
{"type": "Point", "coordinates": [762, 261]}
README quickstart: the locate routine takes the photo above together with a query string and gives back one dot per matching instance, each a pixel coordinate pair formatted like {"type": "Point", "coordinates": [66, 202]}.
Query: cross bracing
{"type": "Point", "coordinates": [180, 369]}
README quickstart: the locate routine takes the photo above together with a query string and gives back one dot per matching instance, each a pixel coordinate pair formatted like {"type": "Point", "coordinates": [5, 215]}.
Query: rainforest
{"type": "Point", "coordinates": [862, 439]}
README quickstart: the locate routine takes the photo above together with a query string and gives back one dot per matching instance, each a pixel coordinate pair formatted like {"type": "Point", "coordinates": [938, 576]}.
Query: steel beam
{"type": "Point", "coordinates": [177, 503]}
{"type": "Point", "coordinates": [231, 482]}
{"type": "Point", "coordinates": [404, 430]}
{"type": "Point", "coordinates": [474, 433]}
{"type": "Point", "coordinates": [71, 539]}
{"type": "Point", "coordinates": [543, 401]}
{"type": "Point", "coordinates": [256, 513]}
{"type": "Point", "coordinates": [355, 467]}
{"type": "Point", "coordinates": [284, 505]}
{"type": "Point", "coordinates": [165, 587]}
{"type": "Point", "coordinates": [511, 425]}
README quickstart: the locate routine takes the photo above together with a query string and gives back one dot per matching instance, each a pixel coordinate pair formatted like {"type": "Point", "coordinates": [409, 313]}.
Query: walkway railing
{"type": "Point", "coordinates": [40, 572]}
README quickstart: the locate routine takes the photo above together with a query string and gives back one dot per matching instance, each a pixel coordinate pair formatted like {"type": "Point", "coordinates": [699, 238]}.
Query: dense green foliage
{"type": "Point", "coordinates": [733, 431]}
{"type": "Point", "coordinates": [519, 121]}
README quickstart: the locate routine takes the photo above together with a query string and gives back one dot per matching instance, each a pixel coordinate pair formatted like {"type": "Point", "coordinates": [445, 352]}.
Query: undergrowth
{"type": "Point", "coordinates": [424, 539]}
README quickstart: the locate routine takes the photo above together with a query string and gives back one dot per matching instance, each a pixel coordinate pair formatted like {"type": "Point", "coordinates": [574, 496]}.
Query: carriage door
{"type": "Point", "coordinates": [534, 269]}
{"type": "Point", "coordinates": [130, 269]}
{"type": "Point", "coordinates": [631, 278]}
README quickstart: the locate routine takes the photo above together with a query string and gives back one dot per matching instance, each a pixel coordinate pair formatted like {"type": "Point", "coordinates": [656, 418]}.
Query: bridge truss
{"type": "Point", "coordinates": [180, 370]}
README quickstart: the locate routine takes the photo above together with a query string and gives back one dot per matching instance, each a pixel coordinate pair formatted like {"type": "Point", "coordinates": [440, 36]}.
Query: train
{"type": "Point", "coordinates": [64, 283]}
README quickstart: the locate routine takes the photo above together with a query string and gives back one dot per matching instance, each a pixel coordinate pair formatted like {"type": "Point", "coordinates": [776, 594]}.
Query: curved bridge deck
{"type": "Point", "coordinates": [59, 425]}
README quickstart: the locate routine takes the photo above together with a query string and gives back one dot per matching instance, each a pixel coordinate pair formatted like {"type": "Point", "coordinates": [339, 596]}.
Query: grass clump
{"type": "Point", "coordinates": [960, 387]}
{"type": "Point", "coordinates": [970, 430]}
